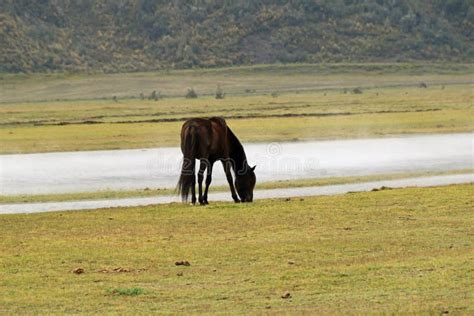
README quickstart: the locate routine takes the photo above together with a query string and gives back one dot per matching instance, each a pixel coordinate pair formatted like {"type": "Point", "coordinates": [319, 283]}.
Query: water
{"type": "Point", "coordinates": [225, 196]}
{"type": "Point", "coordinates": [159, 168]}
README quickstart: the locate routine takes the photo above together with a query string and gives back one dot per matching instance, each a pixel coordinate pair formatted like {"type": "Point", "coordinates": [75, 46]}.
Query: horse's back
{"type": "Point", "coordinates": [211, 135]}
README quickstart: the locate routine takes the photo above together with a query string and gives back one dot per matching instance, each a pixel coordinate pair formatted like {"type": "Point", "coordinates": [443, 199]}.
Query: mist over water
{"type": "Point", "coordinates": [160, 168]}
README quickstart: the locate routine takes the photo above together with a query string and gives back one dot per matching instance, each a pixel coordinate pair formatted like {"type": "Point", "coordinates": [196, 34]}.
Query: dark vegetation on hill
{"type": "Point", "coordinates": [134, 35]}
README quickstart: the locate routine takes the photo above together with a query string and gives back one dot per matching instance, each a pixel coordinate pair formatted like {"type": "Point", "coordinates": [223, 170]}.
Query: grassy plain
{"type": "Point", "coordinates": [285, 104]}
{"type": "Point", "coordinates": [392, 251]}
{"type": "Point", "coordinates": [234, 80]}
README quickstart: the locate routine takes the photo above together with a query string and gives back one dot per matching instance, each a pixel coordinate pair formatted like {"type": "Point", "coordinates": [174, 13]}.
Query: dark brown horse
{"type": "Point", "coordinates": [210, 140]}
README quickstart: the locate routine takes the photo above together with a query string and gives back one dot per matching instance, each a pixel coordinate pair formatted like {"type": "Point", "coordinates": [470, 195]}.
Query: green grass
{"type": "Point", "coordinates": [336, 102]}
{"type": "Point", "coordinates": [149, 192]}
{"type": "Point", "coordinates": [134, 291]}
{"type": "Point", "coordinates": [234, 80]}
{"type": "Point", "coordinates": [131, 123]}
{"type": "Point", "coordinates": [393, 251]}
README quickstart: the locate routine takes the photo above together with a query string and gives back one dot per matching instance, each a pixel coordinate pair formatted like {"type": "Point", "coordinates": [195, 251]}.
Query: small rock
{"type": "Point", "coordinates": [78, 271]}
{"type": "Point", "coordinates": [288, 199]}
{"type": "Point", "coordinates": [286, 295]}
{"type": "Point", "coordinates": [268, 307]}
{"type": "Point", "coordinates": [291, 262]}
{"type": "Point", "coordinates": [381, 188]}
{"type": "Point", "coordinates": [347, 228]}
{"type": "Point", "coordinates": [179, 274]}
{"type": "Point", "coordinates": [119, 269]}
{"type": "Point", "coordinates": [183, 263]}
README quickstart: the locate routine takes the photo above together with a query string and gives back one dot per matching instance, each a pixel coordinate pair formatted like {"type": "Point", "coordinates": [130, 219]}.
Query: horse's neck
{"type": "Point", "coordinates": [236, 151]}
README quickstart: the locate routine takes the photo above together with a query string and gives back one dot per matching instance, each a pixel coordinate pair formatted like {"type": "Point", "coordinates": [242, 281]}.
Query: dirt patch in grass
{"type": "Point", "coordinates": [233, 117]}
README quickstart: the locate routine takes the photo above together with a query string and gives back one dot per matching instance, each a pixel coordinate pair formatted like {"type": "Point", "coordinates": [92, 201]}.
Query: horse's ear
{"type": "Point", "coordinates": [253, 168]}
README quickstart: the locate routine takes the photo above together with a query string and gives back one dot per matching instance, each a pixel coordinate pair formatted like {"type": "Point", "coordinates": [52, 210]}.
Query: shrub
{"type": "Point", "coordinates": [135, 291]}
{"type": "Point", "coordinates": [155, 95]}
{"type": "Point", "coordinates": [191, 94]}
{"type": "Point", "coordinates": [219, 93]}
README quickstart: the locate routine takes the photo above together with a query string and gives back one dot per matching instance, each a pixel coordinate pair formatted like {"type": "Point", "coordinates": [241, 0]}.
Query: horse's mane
{"type": "Point", "coordinates": [236, 152]}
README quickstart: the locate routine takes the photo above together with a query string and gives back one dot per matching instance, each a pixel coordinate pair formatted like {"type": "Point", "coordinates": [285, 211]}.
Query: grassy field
{"type": "Point", "coordinates": [307, 104]}
{"type": "Point", "coordinates": [234, 80]}
{"type": "Point", "coordinates": [392, 251]}
{"type": "Point", "coordinates": [150, 192]}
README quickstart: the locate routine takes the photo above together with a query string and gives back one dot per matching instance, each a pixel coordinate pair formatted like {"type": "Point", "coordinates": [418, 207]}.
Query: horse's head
{"type": "Point", "coordinates": [245, 183]}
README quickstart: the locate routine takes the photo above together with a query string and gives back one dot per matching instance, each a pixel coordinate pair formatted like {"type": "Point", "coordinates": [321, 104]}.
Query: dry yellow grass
{"type": "Point", "coordinates": [376, 112]}
{"type": "Point", "coordinates": [387, 252]}
{"type": "Point", "coordinates": [234, 80]}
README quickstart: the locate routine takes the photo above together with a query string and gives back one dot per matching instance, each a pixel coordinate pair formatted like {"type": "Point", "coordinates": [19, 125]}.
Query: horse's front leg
{"type": "Point", "coordinates": [208, 181]}
{"type": "Point", "coordinates": [228, 174]}
{"type": "Point", "coordinates": [202, 168]}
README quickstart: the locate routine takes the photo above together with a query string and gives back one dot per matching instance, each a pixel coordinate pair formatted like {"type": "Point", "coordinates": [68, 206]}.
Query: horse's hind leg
{"type": "Point", "coordinates": [193, 191]}
{"type": "Point", "coordinates": [208, 181]}
{"type": "Point", "coordinates": [193, 184]}
{"type": "Point", "coordinates": [202, 168]}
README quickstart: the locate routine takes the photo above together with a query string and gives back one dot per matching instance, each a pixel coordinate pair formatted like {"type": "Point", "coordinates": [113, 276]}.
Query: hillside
{"type": "Point", "coordinates": [137, 35]}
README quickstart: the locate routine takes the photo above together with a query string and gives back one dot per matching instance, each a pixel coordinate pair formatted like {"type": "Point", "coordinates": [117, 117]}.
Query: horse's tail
{"type": "Point", "coordinates": [187, 178]}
